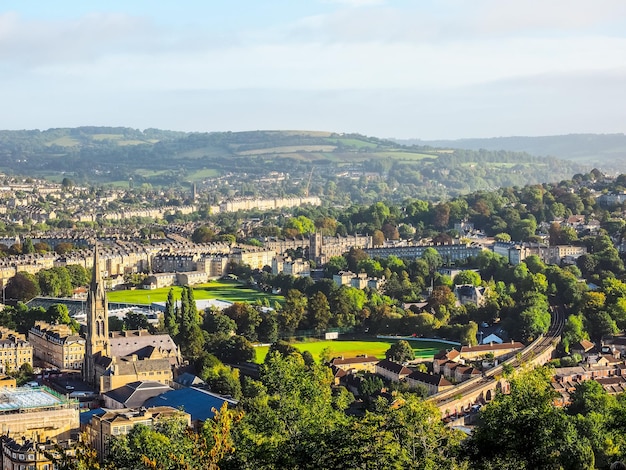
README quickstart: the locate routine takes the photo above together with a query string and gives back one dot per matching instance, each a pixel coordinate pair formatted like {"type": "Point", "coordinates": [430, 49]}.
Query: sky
{"type": "Point", "coordinates": [422, 69]}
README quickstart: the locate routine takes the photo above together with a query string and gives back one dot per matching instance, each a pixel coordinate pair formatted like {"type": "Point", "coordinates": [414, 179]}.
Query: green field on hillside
{"type": "Point", "coordinates": [348, 348]}
{"type": "Point", "coordinates": [231, 291]}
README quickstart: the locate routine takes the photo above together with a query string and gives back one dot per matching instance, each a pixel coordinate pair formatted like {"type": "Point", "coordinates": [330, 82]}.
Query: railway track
{"type": "Point", "coordinates": [488, 379]}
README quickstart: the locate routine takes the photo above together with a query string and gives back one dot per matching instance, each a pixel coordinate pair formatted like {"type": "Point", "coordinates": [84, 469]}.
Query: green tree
{"type": "Point", "coordinates": [171, 445]}
{"type": "Point", "coordinates": [354, 257]}
{"type": "Point", "coordinates": [467, 277]}
{"type": "Point", "coordinates": [319, 315]}
{"type": "Point", "coordinates": [203, 234]}
{"type": "Point", "coordinates": [28, 247]}
{"type": "Point", "coordinates": [170, 316]}
{"type": "Point", "coordinates": [246, 317]}
{"type": "Point", "coordinates": [22, 287]}
{"type": "Point", "coordinates": [136, 321]}
{"type": "Point", "coordinates": [300, 225]}
{"type": "Point", "coordinates": [267, 331]}
{"type": "Point", "coordinates": [190, 337]}
{"type": "Point", "coordinates": [513, 430]}
{"type": "Point", "coordinates": [292, 312]}
{"type": "Point", "coordinates": [589, 396]}
{"type": "Point", "coordinates": [59, 314]}
{"type": "Point", "coordinates": [219, 323]}
{"type": "Point", "coordinates": [79, 276]}
{"type": "Point", "coordinates": [433, 259]}
{"type": "Point", "coordinates": [400, 351]}
{"type": "Point", "coordinates": [283, 348]}
{"type": "Point", "coordinates": [573, 332]}
{"type": "Point", "coordinates": [286, 425]}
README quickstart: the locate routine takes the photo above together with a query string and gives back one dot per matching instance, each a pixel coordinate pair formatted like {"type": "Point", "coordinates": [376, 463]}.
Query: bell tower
{"type": "Point", "coordinates": [97, 340]}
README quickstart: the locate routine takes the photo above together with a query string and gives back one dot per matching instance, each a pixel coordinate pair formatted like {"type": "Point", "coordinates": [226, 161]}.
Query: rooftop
{"type": "Point", "coordinates": [25, 398]}
{"type": "Point", "coordinates": [200, 404]}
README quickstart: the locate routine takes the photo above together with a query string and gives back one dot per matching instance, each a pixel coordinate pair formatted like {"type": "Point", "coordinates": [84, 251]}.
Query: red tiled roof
{"type": "Point", "coordinates": [445, 354]}
{"type": "Point", "coordinates": [584, 345]}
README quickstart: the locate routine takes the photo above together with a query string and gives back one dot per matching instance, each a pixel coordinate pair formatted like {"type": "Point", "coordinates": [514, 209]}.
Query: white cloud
{"type": "Point", "coordinates": [512, 17]}
{"type": "Point", "coordinates": [33, 42]}
{"type": "Point", "coordinates": [463, 67]}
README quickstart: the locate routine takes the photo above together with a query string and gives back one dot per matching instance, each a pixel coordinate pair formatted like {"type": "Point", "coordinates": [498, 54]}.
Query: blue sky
{"type": "Point", "coordinates": [407, 69]}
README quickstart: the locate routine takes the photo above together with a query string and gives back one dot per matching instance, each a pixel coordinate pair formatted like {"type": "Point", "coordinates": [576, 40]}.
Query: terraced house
{"type": "Point", "coordinates": [57, 345]}
{"type": "Point", "coordinates": [15, 351]}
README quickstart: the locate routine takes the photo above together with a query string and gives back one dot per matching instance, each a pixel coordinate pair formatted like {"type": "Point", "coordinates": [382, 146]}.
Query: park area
{"type": "Point", "coordinates": [231, 291]}
{"type": "Point", "coordinates": [351, 348]}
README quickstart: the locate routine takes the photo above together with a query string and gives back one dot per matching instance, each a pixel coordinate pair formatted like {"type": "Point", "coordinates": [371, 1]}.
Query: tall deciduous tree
{"type": "Point", "coordinates": [23, 287]}
{"type": "Point", "coordinates": [318, 313]}
{"type": "Point", "coordinates": [400, 352]}
{"type": "Point", "coordinates": [467, 277]}
{"type": "Point", "coordinates": [524, 430]}
{"type": "Point", "coordinates": [169, 316]}
{"type": "Point", "coordinates": [292, 312]}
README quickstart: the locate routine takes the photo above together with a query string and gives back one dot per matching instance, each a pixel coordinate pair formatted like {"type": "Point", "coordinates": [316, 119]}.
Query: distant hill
{"type": "Point", "coordinates": [606, 152]}
{"type": "Point", "coordinates": [364, 167]}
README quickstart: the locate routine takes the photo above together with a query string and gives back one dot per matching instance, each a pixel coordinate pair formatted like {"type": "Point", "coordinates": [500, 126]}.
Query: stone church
{"type": "Point", "coordinates": [115, 359]}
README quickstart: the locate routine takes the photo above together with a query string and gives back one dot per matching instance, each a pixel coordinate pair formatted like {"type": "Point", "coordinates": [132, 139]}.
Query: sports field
{"type": "Point", "coordinates": [231, 291]}
{"type": "Point", "coordinates": [374, 347]}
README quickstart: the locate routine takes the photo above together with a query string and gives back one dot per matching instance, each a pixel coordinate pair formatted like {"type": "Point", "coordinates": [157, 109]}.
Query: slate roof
{"type": "Point", "coordinates": [393, 367]}
{"type": "Point", "coordinates": [187, 380]}
{"type": "Point", "coordinates": [431, 379]}
{"type": "Point", "coordinates": [128, 367]}
{"type": "Point", "coordinates": [133, 395]}
{"type": "Point", "coordinates": [131, 342]}
{"type": "Point", "coordinates": [198, 403]}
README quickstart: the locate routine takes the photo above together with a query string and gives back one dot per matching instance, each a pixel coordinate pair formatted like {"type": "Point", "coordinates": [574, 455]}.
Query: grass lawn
{"type": "Point", "coordinates": [204, 173]}
{"type": "Point", "coordinates": [231, 291]}
{"type": "Point", "coordinates": [374, 347]}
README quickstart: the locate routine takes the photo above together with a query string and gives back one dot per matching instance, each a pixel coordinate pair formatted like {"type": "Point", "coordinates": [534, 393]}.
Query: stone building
{"type": "Point", "coordinates": [37, 413]}
{"type": "Point", "coordinates": [31, 454]}
{"type": "Point", "coordinates": [15, 351]}
{"type": "Point", "coordinates": [57, 345]}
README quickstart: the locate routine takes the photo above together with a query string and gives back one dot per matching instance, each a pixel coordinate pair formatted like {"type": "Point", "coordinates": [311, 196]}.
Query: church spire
{"type": "Point", "coordinates": [97, 340]}
{"type": "Point", "coordinates": [96, 276]}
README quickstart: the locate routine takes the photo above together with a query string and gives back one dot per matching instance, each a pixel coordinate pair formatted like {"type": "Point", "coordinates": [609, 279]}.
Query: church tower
{"type": "Point", "coordinates": [97, 340]}
{"type": "Point", "coordinates": [315, 247]}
